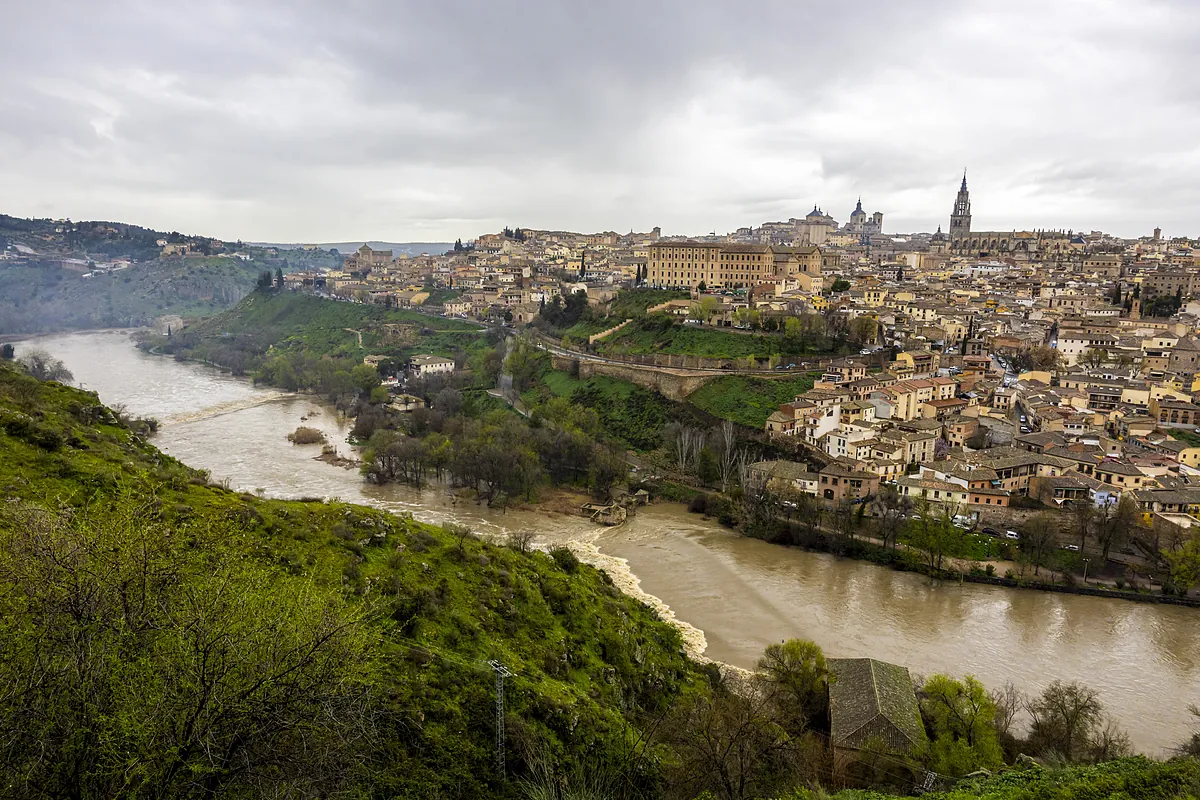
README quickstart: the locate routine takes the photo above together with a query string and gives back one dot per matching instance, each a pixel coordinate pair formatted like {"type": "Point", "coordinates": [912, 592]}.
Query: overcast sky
{"type": "Point", "coordinates": [409, 120]}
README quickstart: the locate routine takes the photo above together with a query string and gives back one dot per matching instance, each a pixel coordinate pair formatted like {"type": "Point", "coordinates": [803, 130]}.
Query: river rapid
{"type": "Point", "coordinates": [730, 595]}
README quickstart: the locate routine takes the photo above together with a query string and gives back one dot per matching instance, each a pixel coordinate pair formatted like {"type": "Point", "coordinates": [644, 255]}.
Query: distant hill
{"type": "Point", "coordinates": [61, 275]}
{"type": "Point", "coordinates": [412, 248]}
{"type": "Point", "coordinates": [58, 275]}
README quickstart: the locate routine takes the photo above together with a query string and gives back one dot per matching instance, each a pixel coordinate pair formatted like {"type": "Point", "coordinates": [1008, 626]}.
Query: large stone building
{"type": "Point", "coordinates": [720, 265]}
{"type": "Point", "coordinates": [1045, 244]}
{"type": "Point", "coordinates": [365, 259]}
{"type": "Point", "coordinates": [863, 225]}
{"type": "Point", "coordinates": [815, 228]}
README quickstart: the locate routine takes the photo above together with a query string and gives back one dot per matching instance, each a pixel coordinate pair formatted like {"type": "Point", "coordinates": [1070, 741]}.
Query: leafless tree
{"type": "Point", "coordinates": [685, 444]}
{"type": "Point", "coordinates": [744, 460]}
{"type": "Point", "coordinates": [1037, 537]}
{"type": "Point", "coordinates": [41, 365]}
{"type": "Point", "coordinates": [1068, 719]}
{"type": "Point", "coordinates": [729, 742]}
{"type": "Point", "coordinates": [1192, 746]}
{"type": "Point", "coordinates": [726, 450]}
{"type": "Point", "coordinates": [1009, 700]}
{"type": "Point", "coordinates": [519, 540]}
{"type": "Point", "coordinates": [891, 509]}
{"type": "Point", "coordinates": [1116, 525]}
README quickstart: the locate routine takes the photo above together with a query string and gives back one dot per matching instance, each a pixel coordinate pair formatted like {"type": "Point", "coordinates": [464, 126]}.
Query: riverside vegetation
{"type": "Point", "coordinates": [579, 431]}
{"type": "Point", "coordinates": [162, 635]}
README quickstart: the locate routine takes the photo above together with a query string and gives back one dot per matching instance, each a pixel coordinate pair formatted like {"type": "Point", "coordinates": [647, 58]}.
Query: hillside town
{"type": "Point", "coordinates": [976, 369]}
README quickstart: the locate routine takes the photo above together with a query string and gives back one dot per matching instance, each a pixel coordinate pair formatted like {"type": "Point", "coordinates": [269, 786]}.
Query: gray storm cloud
{"type": "Point", "coordinates": [429, 121]}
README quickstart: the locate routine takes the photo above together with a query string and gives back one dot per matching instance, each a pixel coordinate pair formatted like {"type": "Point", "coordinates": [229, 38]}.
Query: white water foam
{"type": "Point", "coordinates": [227, 407]}
{"type": "Point", "coordinates": [587, 549]}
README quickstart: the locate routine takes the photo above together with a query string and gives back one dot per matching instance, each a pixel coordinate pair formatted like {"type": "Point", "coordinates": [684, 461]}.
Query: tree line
{"type": "Point", "coordinates": [492, 451]}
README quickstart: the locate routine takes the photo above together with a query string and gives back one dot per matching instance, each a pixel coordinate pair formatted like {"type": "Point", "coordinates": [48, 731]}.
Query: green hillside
{"type": "Point", "coordinates": [1124, 779]}
{"type": "Point", "coordinates": [228, 640]}
{"type": "Point", "coordinates": [748, 401]}
{"type": "Point", "coordinates": [270, 327]}
{"type": "Point", "coordinates": [163, 636]}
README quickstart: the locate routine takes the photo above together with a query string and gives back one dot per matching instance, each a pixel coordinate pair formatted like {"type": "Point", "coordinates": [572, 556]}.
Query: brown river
{"type": "Point", "coordinates": [731, 596]}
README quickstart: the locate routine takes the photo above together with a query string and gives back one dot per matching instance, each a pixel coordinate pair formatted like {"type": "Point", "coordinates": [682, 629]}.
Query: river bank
{"type": "Point", "coordinates": [567, 500]}
{"type": "Point", "coordinates": [732, 595]}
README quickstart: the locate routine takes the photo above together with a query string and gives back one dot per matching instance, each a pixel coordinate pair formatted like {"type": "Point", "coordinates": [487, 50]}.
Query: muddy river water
{"type": "Point", "coordinates": [732, 596]}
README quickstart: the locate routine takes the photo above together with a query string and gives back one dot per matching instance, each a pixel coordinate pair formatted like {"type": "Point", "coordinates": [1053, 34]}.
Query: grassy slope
{"type": "Point", "coordinates": [296, 321]}
{"type": "Point", "coordinates": [1126, 779]}
{"type": "Point", "coordinates": [634, 302]}
{"type": "Point", "coordinates": [280, 315]}
{"type": "Point", "coordinates": [640, 337]}
{"type": "Point", "coordinates": [580, 649]}
{"type": "Point", "coordinates": [1190, 438]}
{"type": "Point", "coordinates": [589, 327]}
{"type": "Point", "coordinates": [630, 414]}
{"type": "Point", "coordinates": [747, 400]}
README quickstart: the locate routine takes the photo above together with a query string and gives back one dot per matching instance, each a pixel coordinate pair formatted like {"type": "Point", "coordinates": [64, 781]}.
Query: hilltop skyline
{"type": "Point", "coordinates": [414, 123]}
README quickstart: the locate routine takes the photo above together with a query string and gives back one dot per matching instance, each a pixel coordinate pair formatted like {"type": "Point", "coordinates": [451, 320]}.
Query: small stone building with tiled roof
{"type": "Point", "coordinates": [872, 701]}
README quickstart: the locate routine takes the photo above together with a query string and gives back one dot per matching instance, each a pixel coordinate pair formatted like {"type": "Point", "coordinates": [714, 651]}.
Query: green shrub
{"type": "Point", "coordinates": [565, 559]}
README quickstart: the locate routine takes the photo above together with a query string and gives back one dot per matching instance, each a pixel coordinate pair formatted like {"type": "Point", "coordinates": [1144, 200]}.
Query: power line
{"type": "Point", "coordinates": [501, 673]}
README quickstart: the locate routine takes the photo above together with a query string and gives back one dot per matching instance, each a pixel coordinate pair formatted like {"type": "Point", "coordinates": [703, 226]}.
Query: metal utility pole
{"type": "Point", "coordinates": [502, 672]}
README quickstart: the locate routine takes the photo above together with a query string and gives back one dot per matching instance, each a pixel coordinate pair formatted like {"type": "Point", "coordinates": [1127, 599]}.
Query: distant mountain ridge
{"type": "Point", "coordinates": [411, 248]}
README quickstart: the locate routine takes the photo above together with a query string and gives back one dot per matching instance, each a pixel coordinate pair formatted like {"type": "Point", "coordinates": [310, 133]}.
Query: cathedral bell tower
{"type": "Point", "coordinates": [960, 220]}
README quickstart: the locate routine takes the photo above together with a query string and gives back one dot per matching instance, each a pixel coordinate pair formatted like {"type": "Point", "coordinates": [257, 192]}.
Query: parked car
{"type": "Point", "coordinates": [781, 366]}
{"type": "Point", "coordinates": [992, 532]}
{"type": "Point", "coordinates": [1011, 535]}
{"type": "Point", "coordinates": [864, 352]}
{"type": "Point", "coordinates": [1074, 548]}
